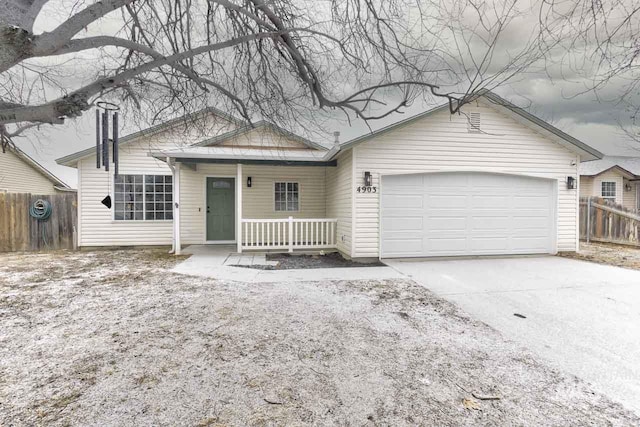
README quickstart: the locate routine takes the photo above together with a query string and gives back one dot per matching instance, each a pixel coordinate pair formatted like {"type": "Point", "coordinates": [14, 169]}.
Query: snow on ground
{"type": "Point", "coordinates": [114, 338]}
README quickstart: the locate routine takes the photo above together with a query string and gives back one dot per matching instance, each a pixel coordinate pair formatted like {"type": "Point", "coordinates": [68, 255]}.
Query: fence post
{"type": "Point", "coordinates": [290, 234]}
{"type": "Point", "coordinates": [588, 219]}
{"type": "Point", "coordinates": [75, 239]}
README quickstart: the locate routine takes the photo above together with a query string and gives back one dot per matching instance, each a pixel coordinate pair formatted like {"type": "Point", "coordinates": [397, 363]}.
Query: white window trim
{"type": "Point", "coordinates": [273, 195]}
{"type": "Point", "coordinates": [144, 193]}
{"type": "Point", "coordinates": [615, 186]}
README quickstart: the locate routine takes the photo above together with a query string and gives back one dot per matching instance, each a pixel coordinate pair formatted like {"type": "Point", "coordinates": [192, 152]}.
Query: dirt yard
{"type": "Point", "coordinates": [605, 253]}
{"type": "Point", "coordinates": [113, 338]}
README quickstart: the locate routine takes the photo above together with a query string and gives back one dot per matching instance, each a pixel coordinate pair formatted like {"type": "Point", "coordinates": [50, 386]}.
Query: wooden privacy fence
{"type": "Point", "coordinates": [20, 232]}
{"type": "Point", "coordinates": [604, 221]}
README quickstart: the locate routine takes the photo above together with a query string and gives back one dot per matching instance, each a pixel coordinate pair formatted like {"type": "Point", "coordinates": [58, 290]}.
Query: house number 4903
{"type": "Point", "coordinates": [367, 189]}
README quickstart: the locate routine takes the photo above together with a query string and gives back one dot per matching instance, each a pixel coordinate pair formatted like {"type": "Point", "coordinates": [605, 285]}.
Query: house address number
{"type": "Point", "coordinates": [367, 189]}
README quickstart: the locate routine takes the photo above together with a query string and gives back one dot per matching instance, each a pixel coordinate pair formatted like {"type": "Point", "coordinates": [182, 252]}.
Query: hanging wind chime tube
{"type": "Point", "coordinates": [105, 140]}
{"type": "Point", "coordinates": [98, 146]}
{"type": "Point", "coordinates": [115, 144]}
{"type": "Point", "coordinates": [102, 141]}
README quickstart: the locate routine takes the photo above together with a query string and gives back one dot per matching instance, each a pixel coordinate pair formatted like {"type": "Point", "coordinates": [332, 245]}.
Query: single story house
{"type": "Point", "coordinates": [614, 178]}
{"type": "Point", "coordinates": [494, 180]}
{"type": "Point", "coordinates": [19, 173]}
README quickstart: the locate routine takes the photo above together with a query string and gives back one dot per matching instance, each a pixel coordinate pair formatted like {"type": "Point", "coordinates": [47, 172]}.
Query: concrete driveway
{"type": "Point", "coordinates": [583, 317]}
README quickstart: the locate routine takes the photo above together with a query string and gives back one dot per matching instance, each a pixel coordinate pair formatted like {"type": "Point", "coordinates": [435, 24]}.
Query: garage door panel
{"type": "Point", "coordinates": [489, 244]}
{"type": "Point", "coordinates": [528, 243]}
{"type": "Point", "coordinates": [437, 181]}
{"type": "Point", "coordinates": [530, 202]}
{"type": "Point", "coordinates": [404, 247]}
{"type": "Point", "coordinates": [489, 223]}
{"type": "Point", "coordinates": [446, 201]}
{"type": "Point", "coordinates": [478, 201]}
{"type": "Point", "coordinates": [446, 246]}
{"type": "Point", "coordinates": [467, 214]}
{"type": "Point", "coordinates": [403, 223]}
{"type": "Point", "coordinates": [446, 223]}
{"type": "Point", "coordinates": [405, 200]}
{"type": "Point", "coordinates": [539, 223]}
{"type": "Point", "coordinates": [531, 233]}
{"type": "Point", "coordinates": [486, 180]}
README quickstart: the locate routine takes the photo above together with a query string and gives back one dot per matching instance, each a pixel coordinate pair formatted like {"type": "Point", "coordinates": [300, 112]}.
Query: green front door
{"type": "Point", "coordinates": [220, 209]}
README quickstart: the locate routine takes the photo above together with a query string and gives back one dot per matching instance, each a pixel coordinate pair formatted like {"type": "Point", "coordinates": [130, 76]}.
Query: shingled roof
{"type": "Point", "coordinates": [631, 165]}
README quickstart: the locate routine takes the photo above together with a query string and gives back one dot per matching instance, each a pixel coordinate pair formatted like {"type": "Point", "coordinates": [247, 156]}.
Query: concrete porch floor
{"type": "Point", "coordinates": [220, 261]}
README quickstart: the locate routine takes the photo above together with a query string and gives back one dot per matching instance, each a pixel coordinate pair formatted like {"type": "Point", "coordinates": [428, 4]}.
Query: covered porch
{"type": "Point", "coordinates": [259, 201]}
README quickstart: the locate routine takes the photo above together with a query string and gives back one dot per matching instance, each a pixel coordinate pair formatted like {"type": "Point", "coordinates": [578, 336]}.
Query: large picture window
{"type": "Point", "coordinates": [608, 190]}
{"type": "Point", "coordinates": [143, 197]}
{"type": "Point", "coordinates": [287, 197]}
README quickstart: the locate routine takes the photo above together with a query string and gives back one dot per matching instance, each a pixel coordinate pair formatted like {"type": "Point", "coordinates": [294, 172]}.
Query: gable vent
{"type": "Point", "coordinates": [473, 125]}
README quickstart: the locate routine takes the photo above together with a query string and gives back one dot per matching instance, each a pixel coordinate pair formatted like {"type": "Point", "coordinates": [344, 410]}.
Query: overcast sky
{"type": "Point", "coordinates": [590, 118]}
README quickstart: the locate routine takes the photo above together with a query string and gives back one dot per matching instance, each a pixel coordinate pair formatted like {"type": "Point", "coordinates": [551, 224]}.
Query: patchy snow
{"type": "Point", "coordinates": [113, 337]}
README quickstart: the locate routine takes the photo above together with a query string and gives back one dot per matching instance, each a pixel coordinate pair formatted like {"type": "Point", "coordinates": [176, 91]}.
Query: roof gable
{"type": "Point", "coordinates": [501, 105]}
{"type": "Point", "coordinates": [262, 135]}
{"type": "Point", "coordinates": [625, 165]}
{"type": "Point", "coordinates": [72, 159]}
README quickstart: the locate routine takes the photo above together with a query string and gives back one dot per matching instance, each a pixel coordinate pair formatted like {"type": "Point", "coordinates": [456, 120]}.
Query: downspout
{"type": "Point", "coordinates": [173, 191]}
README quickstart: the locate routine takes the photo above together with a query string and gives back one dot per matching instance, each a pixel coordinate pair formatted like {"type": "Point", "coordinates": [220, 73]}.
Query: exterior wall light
{"type": "Point", "coordinates": [248, 182]}
{"type": "Point", "coordinates": [367, 179]}
{"type": "Point", "coordinates": [571, 183]}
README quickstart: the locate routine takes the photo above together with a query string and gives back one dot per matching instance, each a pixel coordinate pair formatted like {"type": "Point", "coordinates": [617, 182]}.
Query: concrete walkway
{"type": "Point", "coordinates": [217, 262]}
{"type": "Point", "coordinates": [581, 316]}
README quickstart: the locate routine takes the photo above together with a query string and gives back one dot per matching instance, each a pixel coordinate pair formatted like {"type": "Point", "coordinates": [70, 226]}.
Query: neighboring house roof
{"type": "Point", "coordinates": [58, 184]}
{"type": "Point", "coordinates": [628, 165]}
{"type": "Point", "coordinates": [246, 128]}
{"type": "Point", "coordinates": [73, 158]}
{"type": "Point", "coordinates": [567, 140]}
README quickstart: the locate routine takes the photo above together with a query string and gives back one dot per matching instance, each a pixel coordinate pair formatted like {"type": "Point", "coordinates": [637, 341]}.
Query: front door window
{"type": "Point", "coordinates": [220, 209]}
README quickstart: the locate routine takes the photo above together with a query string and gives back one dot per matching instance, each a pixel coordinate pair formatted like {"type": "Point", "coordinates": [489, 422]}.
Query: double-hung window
{"type": "Point", "coordinates": [608, 190]}
{"type": "Point", "coordinates": [287, 197]}
{"type": "Point", "coordinates": [143, 197]}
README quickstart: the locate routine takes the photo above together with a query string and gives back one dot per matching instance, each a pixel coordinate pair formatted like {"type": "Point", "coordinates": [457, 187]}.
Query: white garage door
{"type": "Point", "coordinates": [456, 214]}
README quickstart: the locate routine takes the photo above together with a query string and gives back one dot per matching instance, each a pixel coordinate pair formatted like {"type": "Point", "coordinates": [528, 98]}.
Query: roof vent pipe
{"type": "Point", "coordinates": [336, 135]}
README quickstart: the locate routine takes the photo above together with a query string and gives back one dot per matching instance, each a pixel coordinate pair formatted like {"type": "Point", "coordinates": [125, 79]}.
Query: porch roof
{"type": "Point", "coordinates": [244, 155]}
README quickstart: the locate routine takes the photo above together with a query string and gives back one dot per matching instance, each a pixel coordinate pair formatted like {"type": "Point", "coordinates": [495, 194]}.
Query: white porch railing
{"type": "Point", "coordinates": [289, 233]}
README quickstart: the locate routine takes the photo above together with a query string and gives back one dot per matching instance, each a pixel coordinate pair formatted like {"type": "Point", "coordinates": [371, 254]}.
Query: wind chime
{"type": "Point", "coordinates": [107, 111]}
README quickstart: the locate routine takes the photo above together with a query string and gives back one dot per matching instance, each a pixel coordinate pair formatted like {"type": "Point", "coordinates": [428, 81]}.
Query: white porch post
{"type": "Point", "coordinates": [239, 207]}
{"type": "Point", "coordinates": [176, 209]}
